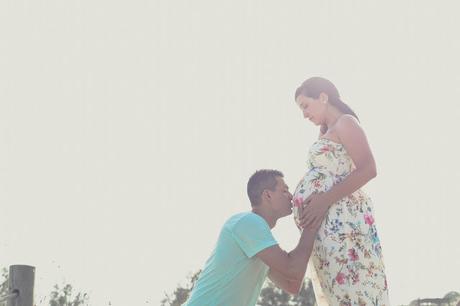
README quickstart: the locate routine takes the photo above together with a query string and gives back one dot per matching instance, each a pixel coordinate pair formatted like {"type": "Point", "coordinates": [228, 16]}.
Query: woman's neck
{"type": "Point", "coordinates": [332, 116]}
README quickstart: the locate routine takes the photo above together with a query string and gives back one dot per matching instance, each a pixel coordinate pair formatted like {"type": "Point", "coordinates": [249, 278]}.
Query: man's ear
{"type": "Point", "coordinates": [266, 195]}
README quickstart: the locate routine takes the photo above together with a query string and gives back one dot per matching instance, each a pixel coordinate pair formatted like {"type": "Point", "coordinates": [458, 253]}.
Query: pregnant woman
{"type": "Point", "coordinates": [346, 263]}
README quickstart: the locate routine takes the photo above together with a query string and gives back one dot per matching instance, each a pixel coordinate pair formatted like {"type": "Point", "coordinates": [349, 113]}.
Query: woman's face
{"type": "Point", "coordinates": [312, 109]}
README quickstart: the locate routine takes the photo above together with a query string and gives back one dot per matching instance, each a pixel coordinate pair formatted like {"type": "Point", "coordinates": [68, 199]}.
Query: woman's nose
{"type": "Point", "coordinates": [305, 114]}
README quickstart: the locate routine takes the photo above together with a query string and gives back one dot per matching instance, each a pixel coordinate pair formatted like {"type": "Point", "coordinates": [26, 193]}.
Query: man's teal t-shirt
{"type": "Point", "coordinates": [233, 276]}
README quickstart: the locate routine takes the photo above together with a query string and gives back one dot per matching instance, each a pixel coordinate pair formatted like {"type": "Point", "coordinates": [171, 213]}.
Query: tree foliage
{"type": "Point", "coordinates": [3, 282]}
{"type": "Point", "coordinates": [274, 296]}
{"type": "Point", "coordinates": [450, 299]}
{"type": "Point", "coordinates": [59, 296]}
{"type": "Point", "coordinates": [62, 296]}
{"type": "Point", "coordinates": [180, 294]}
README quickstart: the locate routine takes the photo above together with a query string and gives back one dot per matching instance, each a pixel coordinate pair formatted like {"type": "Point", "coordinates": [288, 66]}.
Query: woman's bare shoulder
{"type": "Point", "coordinates": [348, 126]}
{"type": "Point", "coordinates": [347, 119]}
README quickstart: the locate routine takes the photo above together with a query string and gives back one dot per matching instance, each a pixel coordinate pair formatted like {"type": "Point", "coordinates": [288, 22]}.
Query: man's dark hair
{"type": "Point", "coordinates": [260, 181]}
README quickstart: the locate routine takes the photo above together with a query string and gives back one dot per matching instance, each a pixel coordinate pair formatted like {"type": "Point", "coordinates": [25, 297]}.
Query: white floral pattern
{"type": "Point", "coordinates": [347, 257]}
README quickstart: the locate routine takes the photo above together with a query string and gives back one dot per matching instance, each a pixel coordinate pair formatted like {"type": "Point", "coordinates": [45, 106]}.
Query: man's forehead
{"type": "Point", "coordinates": [300, 100]}
{"type": "Point", "coordinates": [281, 182]}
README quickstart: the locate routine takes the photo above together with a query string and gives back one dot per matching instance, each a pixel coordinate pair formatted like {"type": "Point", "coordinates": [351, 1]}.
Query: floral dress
{"type": "Point", "coordinates": [346, 265]}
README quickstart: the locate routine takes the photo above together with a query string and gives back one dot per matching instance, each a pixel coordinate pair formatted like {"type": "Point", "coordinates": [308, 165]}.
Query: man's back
{"type": "Point", "coordinates": [233, 275]}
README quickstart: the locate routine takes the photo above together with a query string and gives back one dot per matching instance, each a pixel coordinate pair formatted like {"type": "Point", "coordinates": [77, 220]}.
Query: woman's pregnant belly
{"type": "Point", "coordinates": [314, 181]}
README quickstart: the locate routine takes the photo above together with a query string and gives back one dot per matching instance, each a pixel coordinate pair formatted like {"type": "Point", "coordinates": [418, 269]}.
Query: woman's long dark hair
{"type": "Point", "coordinates": [314, 86]}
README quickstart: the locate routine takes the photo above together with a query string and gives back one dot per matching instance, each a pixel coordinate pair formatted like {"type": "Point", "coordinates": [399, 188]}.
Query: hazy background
{"type": "Point", "coordinates": [128, 131]}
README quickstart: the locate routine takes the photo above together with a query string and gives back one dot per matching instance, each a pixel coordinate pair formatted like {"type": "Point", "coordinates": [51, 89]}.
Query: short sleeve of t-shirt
{"type": "Point", "coordinates": [253, 234]}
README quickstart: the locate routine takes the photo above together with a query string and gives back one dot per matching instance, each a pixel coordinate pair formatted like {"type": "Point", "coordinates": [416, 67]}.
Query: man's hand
{"type": "Point", "coordinates": [313, 211]}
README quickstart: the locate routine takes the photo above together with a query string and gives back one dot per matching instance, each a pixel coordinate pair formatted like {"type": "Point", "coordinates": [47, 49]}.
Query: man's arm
{"type": "Point", "coordinates": [288, 269]}
{"type": "Point", "coordinates": [291, 286]}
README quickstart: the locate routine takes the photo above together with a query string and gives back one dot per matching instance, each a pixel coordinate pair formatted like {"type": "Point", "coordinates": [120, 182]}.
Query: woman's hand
{"type": "Point", "coordinates": [314, 209]}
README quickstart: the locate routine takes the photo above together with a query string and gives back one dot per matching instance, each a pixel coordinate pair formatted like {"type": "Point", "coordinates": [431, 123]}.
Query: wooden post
{"type": "Point", "coordinates": [21, 280]}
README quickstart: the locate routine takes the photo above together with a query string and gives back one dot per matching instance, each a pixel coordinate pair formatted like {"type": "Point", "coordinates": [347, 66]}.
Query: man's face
{"type": "Point", "coordinates": [281, 199]}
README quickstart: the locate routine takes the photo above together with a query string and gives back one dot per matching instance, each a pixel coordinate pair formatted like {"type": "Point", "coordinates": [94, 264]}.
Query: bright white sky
{"type": "Point", "coordinates": [128, 130]}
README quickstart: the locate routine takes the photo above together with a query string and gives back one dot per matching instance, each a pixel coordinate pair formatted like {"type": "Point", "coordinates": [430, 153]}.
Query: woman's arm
{"type": "Point", "coordinates": [354, 140]}
{"type": "Point", "coordinates": [352, 136]}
